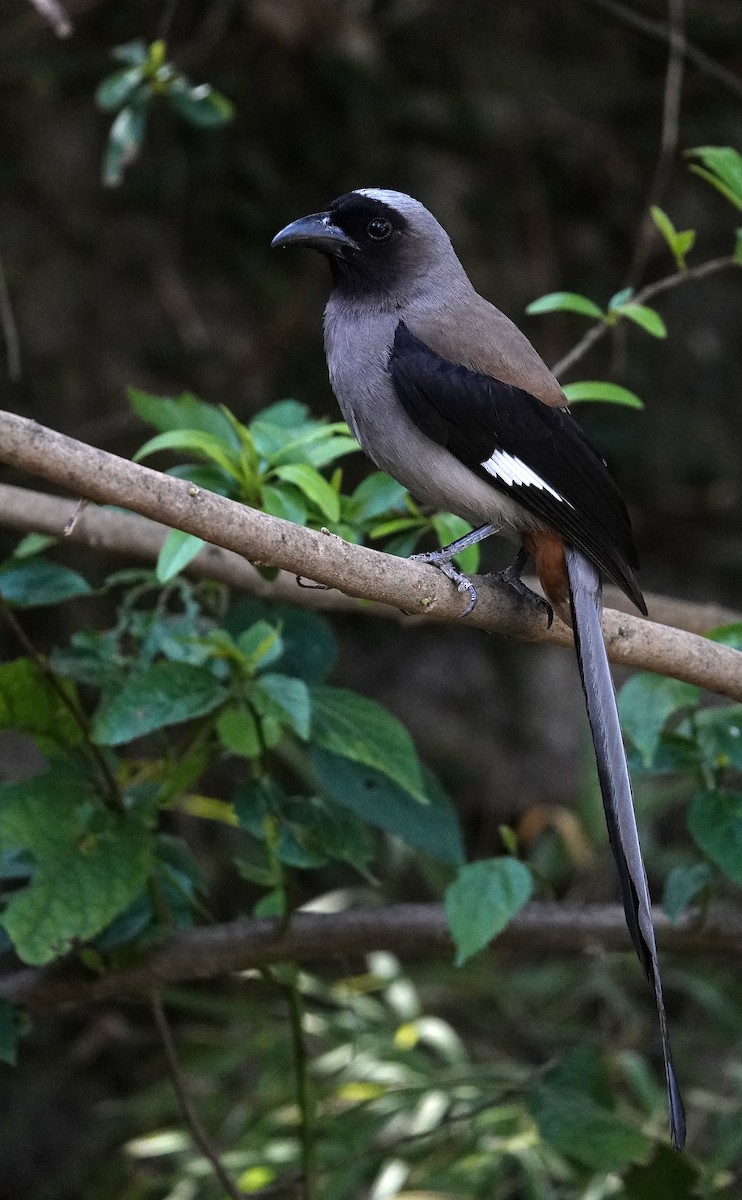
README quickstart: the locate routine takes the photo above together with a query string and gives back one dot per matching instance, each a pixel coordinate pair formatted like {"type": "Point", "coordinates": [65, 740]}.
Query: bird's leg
{"type": "Point", "coordinates": [442, 560]}
{"type": "Point", "coordinates": [511, 577]}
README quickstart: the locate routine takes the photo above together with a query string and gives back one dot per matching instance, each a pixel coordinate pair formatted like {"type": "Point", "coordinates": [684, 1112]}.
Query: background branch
{"type": "Point", "coordinates": [355, 570]}
{"type": "Point", "coordinates": [410, 930]}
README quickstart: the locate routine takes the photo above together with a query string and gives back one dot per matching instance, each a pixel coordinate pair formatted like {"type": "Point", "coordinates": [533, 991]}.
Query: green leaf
{"type": "Point", "coordinates": [33, 543]}
{"type": "Point", "coordinates": [114, 91]}
{"type": "Point", "coordinates": [715, 822]}
{"type": "Point", "coordinates": [678, 243]}
{"type": "Point", "coordinates": [728, 635]}
{"type": "Point", "coordinates": [29, 704]}
{"type": "Point", "coordinates": [601, 390]}
{"type": "Point", "coordinates": [620, 298]}
{"type": "Point", "coordinates": [682, 886]}
{"type": "Point", "coordinates": [200, 105]}
{"type": "Point", "coordinates": [647, 318]}
{"type": "Point", "coordinates": [356, 728]}
{"type": "Point", "coordinates": [291, 695]}
{"type": "Point", "coordinates": [178, 550]}
{"type": "Point", "coordinates": [373, 797]}
{"type": "Point", "coordinates": [309, 645]}
{"type": "Point", "coordinates": [722, 168]}
{"type": "Point", "coordinates": [183, 412]}
{"type": "Point", "coordinates": [194, 441]}
{"type": "Point", "coordinates": [322, 453]}
{"type": "Point", "coordinates": [34, 582]}
{"type": "Point", "coordinates": [646, 702]}
{"type": "Point", "coordinates": [584, 1130]}
{"type": "Point", "coordinates": [14, 1023]}
{"type": "Point", "coordinates": [377, 494]}
{"type": "Point", "coordinates": [125, 140]}
{"type": "Point", "coordinates": [167, 693]}
{"type": "Point", "coordinates": [285, 502]}
{"type": "Point", "coordinates": [482, 900]}
{"type": "Point", "coordinates": [314, 487]}
{"type": "Point", "coordinates": [718, 732]}
{"type": "Point", "coordinates": [450, 528]}
{"type": "Point", "coordinates": [83, 877]}
{"type": "Point", "coordinates": [566, 302]}
{"type": "Point", "coordinates": [261, 644]}
{"type": "Point", "coordinates": [238, 732]}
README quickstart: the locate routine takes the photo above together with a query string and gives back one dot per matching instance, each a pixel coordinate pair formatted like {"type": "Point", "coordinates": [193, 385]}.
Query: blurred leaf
{"type": "Point", "coordinates": [715, 822]}
{"type": "Point", "coordinates": [620, 297]}
{"type": "Point", "coordinates": [718, 733]}
{"type": "Point", "coordinates": [195, 442]}
{"type": "Point", "coordinates": [679, 243]}
{"type": "Point", "coordinates": [33, 543]}
{"type": "Point", "coordinates": [29, 704]}
{"type": "Point", "coordinates": [450, 528]}
{"type": "Point", "coordinates": [261, 644]}
{"type": "Point", "coordinates": [595, 389]}
{"type": "Point", "coordinates": [565, 302]}
{"type": "Point", "coordinates": [167, 693]}
{"type": "Point", "coordinates": [114, 91]}
{"type": "Point", "coordinates": [309, 645]}
{"type": "Point", "coordinates": [647, 318]}
{"type": "Point", "coordinates": [682, 886]}
{"type": "Point", "coordinates": [199, 105]}
{"type": "Point", "coordinates": [314, 487]}
{"type": "Point", "coordinates": [668, 1176]}
{"type": "Point", "coordinates": [722, 168]}
{"type": "Point", "coordinates": [134, 53]}
{"type": "Point", "coordinates": [728, 635]}
{"type": "Point", "coordinates": [356, 728]}
{"type": "Point", "coordinates": [583, 1130]}
{"type": "Point", "coordinates": [34, 582]}
{"type": "Point", "coordinates": [238, 731]}
{"type": "Point", "coordinates": [372, 795]}
{"type": "Point", "coordinates": [125, 140]}
{"type": "Point", "coordinates": [178, 550]}
{"type": "Point", "coordinates": [14, 1024]}
{"type": "Point", "coordinates": [291, 695]}
{"type": "Point", "coordinates": [329, 450]}
{"type": "Point", "coordinates": [481, 901]}
{"type": "Point", "coordinates": [83, 879]}
{"type": "Point", "coordinates": [646, 702]}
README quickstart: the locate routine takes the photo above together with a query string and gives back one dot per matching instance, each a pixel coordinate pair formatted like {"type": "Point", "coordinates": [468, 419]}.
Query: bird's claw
{"type": "Point", "coordinates": [510, 577]}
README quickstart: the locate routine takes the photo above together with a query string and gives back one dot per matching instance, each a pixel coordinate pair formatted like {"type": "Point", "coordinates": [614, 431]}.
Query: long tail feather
{"type": "Point", "coordinates": [615, 786]}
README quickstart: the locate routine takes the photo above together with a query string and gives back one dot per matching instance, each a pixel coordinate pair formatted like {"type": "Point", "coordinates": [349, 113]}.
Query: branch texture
{"type": "Point", "coordinates": [410, 930]}
{"type": "Point", "coordinates": [355, 570]}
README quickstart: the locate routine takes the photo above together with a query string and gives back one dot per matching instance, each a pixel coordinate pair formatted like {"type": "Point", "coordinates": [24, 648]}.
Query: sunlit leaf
{"type": "Point", "coordinates": [566, 302]}
{"type": "Point", "coordinates": [601, 390]}
{"type": "Point", "coordinates": [178, 550]}
{"type": "Point", "coordinates": [647, 318]}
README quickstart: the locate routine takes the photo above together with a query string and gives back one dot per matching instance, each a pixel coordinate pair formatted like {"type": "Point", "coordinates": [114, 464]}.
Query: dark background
{"type": "Point", "coordinates": [531, 129]}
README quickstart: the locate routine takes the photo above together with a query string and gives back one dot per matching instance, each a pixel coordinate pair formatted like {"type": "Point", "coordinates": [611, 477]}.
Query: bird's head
{"type": "Point", "coordinates": [378, 243]}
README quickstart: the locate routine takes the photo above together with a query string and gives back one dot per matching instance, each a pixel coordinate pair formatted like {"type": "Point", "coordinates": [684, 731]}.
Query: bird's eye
{"type": "Point", "coordinates": [379, 229]}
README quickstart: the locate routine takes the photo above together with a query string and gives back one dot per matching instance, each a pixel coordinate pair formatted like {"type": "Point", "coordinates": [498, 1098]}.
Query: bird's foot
{"type": "Point", "coordinates": [510, 577]}
{"type": "Point", "coordinates": [439, 559]}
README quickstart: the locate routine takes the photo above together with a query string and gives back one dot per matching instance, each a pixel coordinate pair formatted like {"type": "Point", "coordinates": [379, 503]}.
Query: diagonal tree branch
{"type": "Point", "coordinates": [355, 570]}
{"type": "Point", "coordinates": [410, 930]}
{"type": "Point", "coordinates": [123, 534]}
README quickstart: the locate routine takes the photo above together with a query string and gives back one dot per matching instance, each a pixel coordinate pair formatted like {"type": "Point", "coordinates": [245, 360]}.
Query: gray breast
{"type": "Point", "coordinates": [358, 344]}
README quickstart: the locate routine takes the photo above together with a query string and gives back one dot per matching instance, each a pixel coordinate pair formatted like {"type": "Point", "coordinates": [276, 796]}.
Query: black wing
{"type": "Point", "coordinates": [475, 416]}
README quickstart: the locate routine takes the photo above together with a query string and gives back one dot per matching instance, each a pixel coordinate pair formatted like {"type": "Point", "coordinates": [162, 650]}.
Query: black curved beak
{"type": "Point", "coordinates": [316, 231]}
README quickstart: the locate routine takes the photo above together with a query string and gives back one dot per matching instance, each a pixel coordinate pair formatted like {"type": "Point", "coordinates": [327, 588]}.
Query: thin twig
{"type": "Point", "coordinates": [187, 1108]}
{"type": "Point", "coordinates": [303, 1088]}
{"type": "Point", "coordinates": [660, 32]}
{"type": "Point", "coordinates": [54, 14]}
{"type": "Point", "coordinates": [669, 282]}
{"type": "Point", "coordinates": [68, 701]}
{"type": "Point", "coordinates": [668, 138]}
{"type": "Point", "coordinates": [543, 928]}
{"type": "Point", "coordinates": [10, 329]}
{"type": "Point", "coordinates": [71, 522]}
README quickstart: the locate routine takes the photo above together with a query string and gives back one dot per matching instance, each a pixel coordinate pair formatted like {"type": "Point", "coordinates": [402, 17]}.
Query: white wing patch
{"type": "Point", "coordinates": [514, 471]}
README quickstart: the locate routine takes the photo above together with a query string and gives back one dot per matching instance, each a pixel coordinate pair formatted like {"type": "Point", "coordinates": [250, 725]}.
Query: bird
{"type": "Point", "coordinates": [445, 393]}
